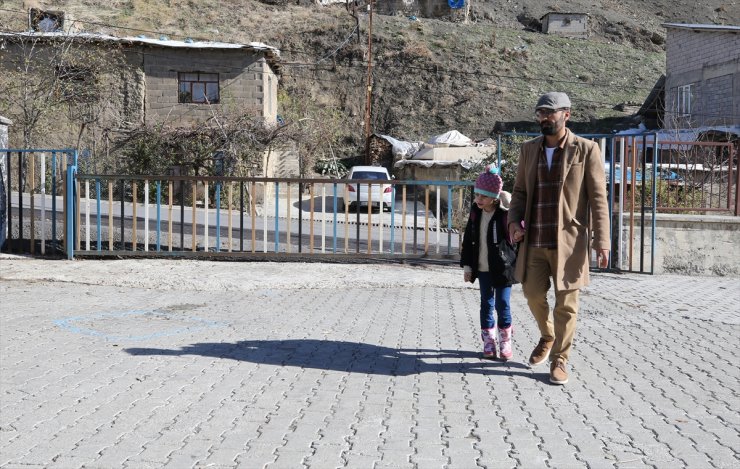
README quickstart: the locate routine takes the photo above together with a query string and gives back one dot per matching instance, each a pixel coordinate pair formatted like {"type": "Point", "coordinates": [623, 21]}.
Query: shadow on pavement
{"type": "Point", "coordinates": [317, 204]}
{"type": "Point", "coordinates": [329, 201]}
{"type": "Point", "coordinates": [346, 356]}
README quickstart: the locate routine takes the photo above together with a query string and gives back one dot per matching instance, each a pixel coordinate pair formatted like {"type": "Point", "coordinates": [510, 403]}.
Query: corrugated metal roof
{"type": "Point", "coordinates": [703, 27]}
{"type": "Point", "coordinates": [272, 53]}
{"type": "Point", "coordinates": [683, 135]}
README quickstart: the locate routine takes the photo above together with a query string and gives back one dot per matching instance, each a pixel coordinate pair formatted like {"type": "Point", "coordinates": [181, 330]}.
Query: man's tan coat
{"type": "Point", "coordinates": [582, 207]}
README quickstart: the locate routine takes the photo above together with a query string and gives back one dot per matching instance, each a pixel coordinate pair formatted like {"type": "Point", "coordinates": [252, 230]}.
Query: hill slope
{"type": "Point", "coordinates": [429, 75]}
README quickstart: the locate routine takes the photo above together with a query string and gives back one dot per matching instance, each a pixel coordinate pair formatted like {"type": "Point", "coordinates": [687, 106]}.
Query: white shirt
{"type": "Point", "coordinates": [548, 154]}
{"type": "Point", "coordinates": [485, 220]}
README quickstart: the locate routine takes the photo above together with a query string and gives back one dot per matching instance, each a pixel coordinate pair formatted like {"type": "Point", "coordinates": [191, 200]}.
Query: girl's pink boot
{"type": "Point", "coordinates": [504, 336]}
{"type": "Point", "coordinates": [489, 343]}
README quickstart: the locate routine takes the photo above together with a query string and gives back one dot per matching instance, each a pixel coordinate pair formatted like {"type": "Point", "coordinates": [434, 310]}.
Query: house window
{"type": "Point", "coordinates": [198, 87]}
{"type": "Point", "coordinates": [683, 100]}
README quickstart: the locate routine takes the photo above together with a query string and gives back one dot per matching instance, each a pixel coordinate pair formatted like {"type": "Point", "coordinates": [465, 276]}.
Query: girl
{"type": "Point", "coordinates": [488, 255]}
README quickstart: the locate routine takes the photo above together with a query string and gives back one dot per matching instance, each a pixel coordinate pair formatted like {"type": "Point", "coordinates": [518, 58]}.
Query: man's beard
{"type": "Point", "coordinates": [548, 129]}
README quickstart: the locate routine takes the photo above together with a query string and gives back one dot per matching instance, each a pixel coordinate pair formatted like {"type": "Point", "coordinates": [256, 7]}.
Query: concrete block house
{"type": "Point", "coordinates": [183, 78]}
{"type": "Point", "coordinates": [702, 82]}
{"type": "Point", "coordinates": [565, 24]}
{"type": "Point", "coordinates": [177, 82]}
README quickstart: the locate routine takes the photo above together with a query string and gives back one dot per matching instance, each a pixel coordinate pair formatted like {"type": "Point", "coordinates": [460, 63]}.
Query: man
{"type": "Point", "coordinates": [559, 195]}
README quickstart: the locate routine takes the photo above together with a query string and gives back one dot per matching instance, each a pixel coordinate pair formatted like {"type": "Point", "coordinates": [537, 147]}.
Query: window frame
{"type": "Point", "coordinates": [684, 100]}
{"type": "Point", "coordinates": [201, 79]}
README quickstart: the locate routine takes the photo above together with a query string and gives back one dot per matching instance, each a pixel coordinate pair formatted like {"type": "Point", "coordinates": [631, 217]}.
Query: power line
{"type": "Point", "coordinates": [349, 36]}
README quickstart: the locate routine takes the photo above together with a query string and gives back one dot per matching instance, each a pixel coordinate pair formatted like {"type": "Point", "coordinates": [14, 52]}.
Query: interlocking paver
{"type": "Point", "coordinates": [357, 366]}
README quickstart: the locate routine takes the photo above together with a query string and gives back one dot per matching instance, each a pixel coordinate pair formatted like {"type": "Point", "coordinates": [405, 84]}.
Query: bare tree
{"type": "Point", "coordinates": [319, 131]}
{"type": "Point", "coordinates": [55, 87]}
{"type": "Point", "coordinates": [242, 141]}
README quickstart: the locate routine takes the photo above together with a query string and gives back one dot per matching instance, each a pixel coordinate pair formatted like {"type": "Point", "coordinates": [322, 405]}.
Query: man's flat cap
{"type": "Point", "coordinates": [553, 100]}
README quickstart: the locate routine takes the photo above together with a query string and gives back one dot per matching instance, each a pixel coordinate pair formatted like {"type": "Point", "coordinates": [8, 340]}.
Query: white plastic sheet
{"type": "Point", "coordinates": [453, 138]}
{"type": "Point", "coordinates": [401, 149]}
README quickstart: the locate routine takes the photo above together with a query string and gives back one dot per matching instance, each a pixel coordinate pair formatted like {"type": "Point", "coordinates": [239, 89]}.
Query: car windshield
{"type": "Point", "coordinates": [369, 175]}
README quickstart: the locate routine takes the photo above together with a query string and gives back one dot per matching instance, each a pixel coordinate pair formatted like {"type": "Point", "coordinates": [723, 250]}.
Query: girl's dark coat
{"type": "Point", "coordinates": [501, 270]}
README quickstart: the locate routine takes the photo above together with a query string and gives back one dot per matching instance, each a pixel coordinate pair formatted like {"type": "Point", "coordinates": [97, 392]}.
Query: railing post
{"type": "Point", "coordinates": [20, 202]}
{"type": "Point", "coordinates": [9, 205]}
{"type": "Point", "coordinates": [737, 179]}
{"type": "Point", "coordinates": [54, 166]}
{"type": "Point", "coordinates": [70, 210]}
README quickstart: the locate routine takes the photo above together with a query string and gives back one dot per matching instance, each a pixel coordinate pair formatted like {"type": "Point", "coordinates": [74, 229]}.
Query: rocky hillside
{"type": "Point", "coordinates": [430, 75]}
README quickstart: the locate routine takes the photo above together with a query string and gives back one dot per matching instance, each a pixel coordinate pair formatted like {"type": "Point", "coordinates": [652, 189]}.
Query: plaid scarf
{"type": "Point", "coordinates": [543, 227]}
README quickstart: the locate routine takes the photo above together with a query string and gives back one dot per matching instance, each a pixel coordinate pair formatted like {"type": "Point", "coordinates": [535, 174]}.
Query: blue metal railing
{"type": "Point", "coordinates": [277, 225]}
{"type": "Point", "coordinates": [269, 228]}
{"type": "Point", "coordinates": [32, 178]}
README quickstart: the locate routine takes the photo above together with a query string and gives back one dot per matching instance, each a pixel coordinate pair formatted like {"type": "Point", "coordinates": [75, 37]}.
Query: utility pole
{"type": "Point", "coordinates": [369, 96]}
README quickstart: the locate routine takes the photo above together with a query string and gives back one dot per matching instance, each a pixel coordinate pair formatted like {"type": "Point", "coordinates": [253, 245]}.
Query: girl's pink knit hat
{"type": "Point", "coordinates": [489, 183]}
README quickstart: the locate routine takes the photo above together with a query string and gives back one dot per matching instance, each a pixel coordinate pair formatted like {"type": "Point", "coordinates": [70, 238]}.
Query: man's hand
{"type": "Point", "coordinates": [468, 277]}
{"type": "Point", "coordinates": [602, 258]}
{"type": "Point", "coordinates": [516, 232]}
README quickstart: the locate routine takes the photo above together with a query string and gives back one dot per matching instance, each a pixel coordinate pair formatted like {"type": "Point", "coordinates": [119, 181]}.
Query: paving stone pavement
{"type": "Point", "coordinates": [180, 364]}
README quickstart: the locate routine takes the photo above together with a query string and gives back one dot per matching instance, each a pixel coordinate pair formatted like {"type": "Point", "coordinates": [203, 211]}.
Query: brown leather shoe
{"type": "Point", "coordinates": [541, 352]}
{"type": "Point", "coordinates": [558, 373]}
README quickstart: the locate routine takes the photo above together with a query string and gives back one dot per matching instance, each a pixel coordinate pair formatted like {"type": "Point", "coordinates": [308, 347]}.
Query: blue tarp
{"type": "Point", "coordinates": [663, 175]}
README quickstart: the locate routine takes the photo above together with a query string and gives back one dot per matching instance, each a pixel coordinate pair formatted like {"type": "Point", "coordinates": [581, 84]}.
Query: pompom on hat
{"type": "Point", "coordinates": [489, 183]}
{"type": "Point", "coordinates": [504, 200]}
